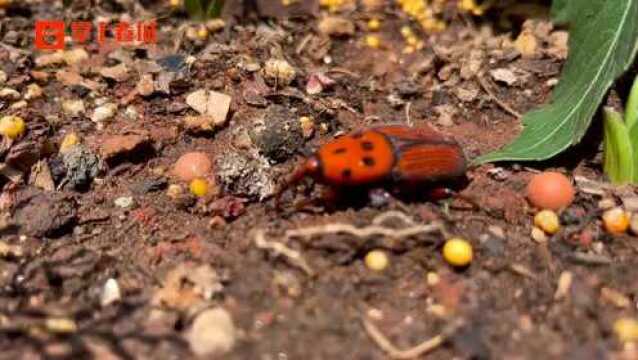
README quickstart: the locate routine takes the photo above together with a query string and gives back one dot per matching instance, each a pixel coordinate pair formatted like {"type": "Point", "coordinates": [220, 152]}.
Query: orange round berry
{"type": "Point", "coordinates": [550, 190]}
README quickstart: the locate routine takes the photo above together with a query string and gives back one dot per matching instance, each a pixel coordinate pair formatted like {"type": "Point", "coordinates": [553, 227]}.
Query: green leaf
{"type": "Point", "coordinates": [194, 9]}
{"type": "Point", "coordinates": [631, 109]}
{"type": "Point", "coordinates": [602, 45]}
{"type": "Point", "coordinates": [215, 9]}
{"type": "Point", "coordinates": [619, 162]}
{"type": "Point", "coordinates": [561, 10]}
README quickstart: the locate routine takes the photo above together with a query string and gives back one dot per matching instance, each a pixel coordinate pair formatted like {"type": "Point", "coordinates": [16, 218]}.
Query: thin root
{"type": "Point", "coordinates": [364, 232]}
{"type": "Point", "coordinates": [376, 229]}
{"type": "Point", "coordinates": [395, 353]}
{"type": "Point", "coordinates": [293, 256]}
{"type": "Point", "coordinates": [407, 228]}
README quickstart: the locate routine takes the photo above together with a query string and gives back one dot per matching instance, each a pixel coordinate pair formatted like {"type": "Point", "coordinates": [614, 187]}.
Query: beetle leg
{"type": "Point", "coordinates": [440, 193]}
{"type": "Point", "coordinates": [299, 173]}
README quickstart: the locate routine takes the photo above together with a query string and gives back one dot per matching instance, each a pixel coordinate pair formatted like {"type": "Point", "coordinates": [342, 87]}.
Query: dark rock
{"type": "Point", "coordinates": [49, 214]}
{"type": "Point", "coordinates": [81, 165]}
{"type": "Point", "coordinates": [280, 137]}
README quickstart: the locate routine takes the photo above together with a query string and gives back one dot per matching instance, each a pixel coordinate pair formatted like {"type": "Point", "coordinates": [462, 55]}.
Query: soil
{"type": "Point", "coordinates": [110, 209]}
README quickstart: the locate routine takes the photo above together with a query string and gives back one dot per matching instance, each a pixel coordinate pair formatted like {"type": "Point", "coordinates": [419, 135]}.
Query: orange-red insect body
{"type": "Point", "coordinates": [386, 154]}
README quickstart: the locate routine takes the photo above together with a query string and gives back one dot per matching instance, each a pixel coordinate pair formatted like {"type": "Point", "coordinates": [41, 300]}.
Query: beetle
{"type": "Point", "coordinates": [396, 155]}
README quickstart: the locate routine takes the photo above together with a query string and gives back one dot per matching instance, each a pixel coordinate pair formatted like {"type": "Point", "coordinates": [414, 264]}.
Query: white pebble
{"type": "Point", "coordinates": [212, 333]}
{"type": "Point", "coordinates": [110, 293]}
{"type": "Point", "coordinates": [124, 202]}
{"type": "Point", "coordinates": [104, 112]}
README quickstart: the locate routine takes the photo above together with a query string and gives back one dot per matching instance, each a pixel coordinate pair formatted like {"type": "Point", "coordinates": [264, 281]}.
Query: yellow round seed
{"type": "Point", "coordinates": [406, 31]}
{"type": "Point", "coordinates": [12, 126]}
{"type": "Point", "coordinates": [373, 41]}
{"type": "Point", "coordinates": [616, 220]}
{"type": "Point", "coordinates": [626, 329]}
{"type": "Point", "coordinates": [548, 221]}
{"type": "Point", "coordinates": [377, 260]}
{"type": "Point", "coordinates": [458, 252]}
{"type": "Point", "coordinates": [374, 24]}
{"type": "Point", "coordinates": [199, 187]}
{"type": "Point", "coordinates": [202, 33]}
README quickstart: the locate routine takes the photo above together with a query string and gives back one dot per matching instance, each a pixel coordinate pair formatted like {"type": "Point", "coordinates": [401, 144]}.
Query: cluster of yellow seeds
{"type": "Point", "coordinates": [335, 5]}
{"type": "Point", "coordinates": [425, 12]}
{"type": "Point", "coordinates": [472, 7]}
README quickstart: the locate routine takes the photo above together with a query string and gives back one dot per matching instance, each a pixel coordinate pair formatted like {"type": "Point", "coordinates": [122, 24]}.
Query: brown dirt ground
{"type": "Point", "coordinates": [70, 242]}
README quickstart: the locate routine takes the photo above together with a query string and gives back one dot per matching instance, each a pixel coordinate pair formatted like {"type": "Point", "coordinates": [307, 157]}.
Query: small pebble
{"type": "Point", "coordinates": [3, 77]}
{"type": "Point", "coordinates": [538, 235]}
{"type": "Point", "coordinates": [307, 126]}
{"type": "Point", "coordinates": [9, 93]}
{"type": "Point", "coordinates": [110, 293]}
{"type": "Point", "coordinates": [174, 191]}
{"type": "Point", "coordinates": [279, 71]}
{"type": "Point", "coordinates": [433, 278]}
{"type": "Point", "coordinates": [75, 56]}
{"type": "Point", "coordinates": [73, 108]}
{"type": "Point", "coordinates": [34, 91]}
{"type": "Point", "coordinates": [104, 112]}
{"type": "Point", "coordinates": [124, 202]}
{"type": "Point", "coordinates": [212, 333]}
{"type": "Point", "coordinates": [19, 105]}
{"type": "Point", "coordinates": [606, 203]}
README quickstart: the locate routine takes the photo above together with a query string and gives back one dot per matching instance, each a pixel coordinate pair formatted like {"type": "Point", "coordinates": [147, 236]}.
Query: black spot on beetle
{"type": "Point", "coordinates": [340, 151]}
{"type": "Point", "coordinates": [357, 135]}
{"type": "Point", "coordinates": [347, 173]}
{"type": "Point", "coordinates": [367, 145]}
{"type": "Point", "coordinates": [368, 161]}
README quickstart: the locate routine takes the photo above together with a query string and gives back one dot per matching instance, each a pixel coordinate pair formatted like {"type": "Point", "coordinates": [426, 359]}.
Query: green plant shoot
{"type": "Point", "coordinates": [621, 141]}
{"type": "Point", "coordinates": [204, 9]}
